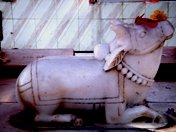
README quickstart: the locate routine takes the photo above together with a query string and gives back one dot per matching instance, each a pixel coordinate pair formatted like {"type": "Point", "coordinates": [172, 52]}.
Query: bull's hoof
{"type": "Point", "coordinates": [78, 122]}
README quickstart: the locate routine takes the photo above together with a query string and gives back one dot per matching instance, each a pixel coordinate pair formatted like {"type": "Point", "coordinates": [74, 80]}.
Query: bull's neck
{"type": "Point", "coordinates": [146, 64]}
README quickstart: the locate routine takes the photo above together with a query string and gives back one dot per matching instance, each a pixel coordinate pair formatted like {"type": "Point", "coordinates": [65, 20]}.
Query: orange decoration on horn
{"type": "Point", "coordinates": [151, 22]}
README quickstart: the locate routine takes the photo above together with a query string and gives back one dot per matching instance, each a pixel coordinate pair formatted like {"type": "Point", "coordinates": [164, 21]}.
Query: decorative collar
{"type": "Point", "coordinates": [134, 76]}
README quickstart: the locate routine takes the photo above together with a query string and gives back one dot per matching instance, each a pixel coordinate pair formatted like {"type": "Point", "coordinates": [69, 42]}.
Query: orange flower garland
{"type": "Point", "coordinates": [158, 16]}
{"type": "Point", "coordinates": [151, 22]}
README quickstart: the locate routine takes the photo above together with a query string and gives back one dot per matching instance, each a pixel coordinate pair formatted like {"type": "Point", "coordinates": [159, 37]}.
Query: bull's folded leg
{"type": "Point", "coordinates": [45, 114]}
{"type": "Point", "coordinates": [131, 114]}
{"type": "Point", "coordinates": [63, 118]}
{"type": "Point", "coordinates": [43, 118]}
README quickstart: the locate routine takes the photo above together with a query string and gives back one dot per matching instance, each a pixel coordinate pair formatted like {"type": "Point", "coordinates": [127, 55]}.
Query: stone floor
{"type": "Point", "coordinates": [161, 97]}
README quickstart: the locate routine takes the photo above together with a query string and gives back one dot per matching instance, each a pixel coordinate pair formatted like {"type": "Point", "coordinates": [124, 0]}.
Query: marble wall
{"type": "Point", "coordinates": [71, 23]}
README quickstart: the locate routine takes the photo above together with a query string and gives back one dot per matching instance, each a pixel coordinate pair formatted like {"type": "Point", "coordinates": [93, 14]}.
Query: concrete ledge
{"type": "Point", "coordinates": [22, 57]}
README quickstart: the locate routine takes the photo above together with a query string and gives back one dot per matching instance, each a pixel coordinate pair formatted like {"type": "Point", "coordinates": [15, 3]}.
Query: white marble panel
{"type": "Point", "coordinates": [107, 35]}
{"type": "Point", "coordinates": [45, 9]}
{"type": "Point", "coordinates": [88, 33]}
{"type": "Point", "coordinates": [8, 37]}
{"type": "Point", "coordinates": [151, 7]}
{"type": "Point", "coordinates": [132, 10]}
{"type": "Point", "coordinates": [65, 8]}
{"type": "Point", "coordinates": [70, 23]}
{"type": "Point", "coordinates": [172, 9]}
{"type": "Point", "coordinates": [23, 37]}
{"type": "Point", "coordinates": [45, 33]}
{"type": "Point", "coordinates": [5, 7]}
{"type": "Point", "coordinates": [111, 10]}
{"type": "Point", "coordinates": [86, 10]}
{"type": "Point", "coordinates": [22, 9]}
{"type": "Point", "coordinates": [67, 34]}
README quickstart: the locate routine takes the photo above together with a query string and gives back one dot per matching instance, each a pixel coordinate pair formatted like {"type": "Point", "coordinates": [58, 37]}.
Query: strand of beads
{"type": "Point", "coordinates": [130, 75]}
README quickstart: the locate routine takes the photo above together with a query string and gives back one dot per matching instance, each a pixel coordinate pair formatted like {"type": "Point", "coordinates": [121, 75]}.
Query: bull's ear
{"type": "Point", "coordinates": [114, 24]}
{"type": "Point", "coordinates": [168, 29]}
{"type": "Point", "coordinates": [117, 22]}
{"type": "Point", "coordinates": [119, 30]}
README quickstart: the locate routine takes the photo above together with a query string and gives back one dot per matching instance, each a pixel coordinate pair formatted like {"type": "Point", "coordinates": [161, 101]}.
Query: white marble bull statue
{"type": "Point", "coordinates": [119, 82]}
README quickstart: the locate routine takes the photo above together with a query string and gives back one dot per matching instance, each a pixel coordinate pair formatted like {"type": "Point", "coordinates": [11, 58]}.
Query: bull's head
{"type": "Point", "coordinates": [136, 39]}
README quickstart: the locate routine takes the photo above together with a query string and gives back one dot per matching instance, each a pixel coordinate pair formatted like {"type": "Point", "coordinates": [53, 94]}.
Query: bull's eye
{"type": "Point", "coordinates": [142, 34]}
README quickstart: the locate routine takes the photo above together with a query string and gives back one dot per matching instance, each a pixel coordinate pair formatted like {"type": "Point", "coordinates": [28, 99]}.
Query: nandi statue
{"type": "Point", "coordinates": [117, 78]}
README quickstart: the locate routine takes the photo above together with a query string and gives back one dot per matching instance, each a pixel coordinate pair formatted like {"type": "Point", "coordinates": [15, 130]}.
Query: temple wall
{"type": "Point", "coordinates": [38, 24]}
